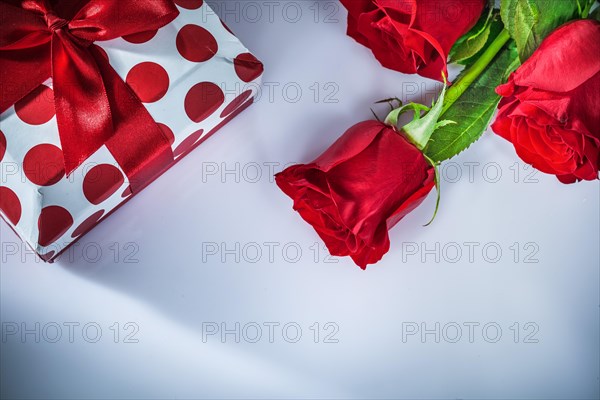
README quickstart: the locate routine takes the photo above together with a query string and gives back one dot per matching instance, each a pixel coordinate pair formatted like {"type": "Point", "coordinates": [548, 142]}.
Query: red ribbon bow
{"type": "Point", "coordinates": [94, 107]}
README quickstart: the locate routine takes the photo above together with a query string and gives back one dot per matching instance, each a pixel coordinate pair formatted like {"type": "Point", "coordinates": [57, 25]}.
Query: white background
{"type": "Point", "coordinates": [174, 288]}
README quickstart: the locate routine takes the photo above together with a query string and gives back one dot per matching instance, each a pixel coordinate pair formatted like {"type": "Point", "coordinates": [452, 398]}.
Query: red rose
{"type": "Point", "coordinates": [412, 36]}
{"type": "Point", "coordinates": [366, 182]}
{"type": "Point", "coordinates": [551, 105]}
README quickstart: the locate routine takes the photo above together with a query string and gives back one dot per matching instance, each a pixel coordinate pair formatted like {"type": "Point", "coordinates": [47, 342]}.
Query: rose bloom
{"type": "Point", "coordinates": [550, 109]}
{"type": "Point", "coordinates": [359, 188]}
{"type": "Point", "coordinates": [412, 36]}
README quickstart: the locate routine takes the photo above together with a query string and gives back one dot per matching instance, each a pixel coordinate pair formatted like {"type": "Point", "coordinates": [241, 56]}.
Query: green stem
{"type": "Point", "coordinates": [459, 87]}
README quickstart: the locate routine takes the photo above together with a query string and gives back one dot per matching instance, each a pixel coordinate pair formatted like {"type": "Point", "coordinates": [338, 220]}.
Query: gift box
{"type": "Point", "coordinates": [88, 121]}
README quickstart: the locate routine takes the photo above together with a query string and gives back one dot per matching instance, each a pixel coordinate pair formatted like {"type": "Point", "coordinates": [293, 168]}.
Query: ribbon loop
{"type": "Point", "coordinates": [36, 43]}
{"type": "Point", "coordinates": [54, 22]}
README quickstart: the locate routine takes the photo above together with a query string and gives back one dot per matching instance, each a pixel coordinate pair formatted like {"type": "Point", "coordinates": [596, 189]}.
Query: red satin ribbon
{"type": "Point", "coordinates": [94, 107]}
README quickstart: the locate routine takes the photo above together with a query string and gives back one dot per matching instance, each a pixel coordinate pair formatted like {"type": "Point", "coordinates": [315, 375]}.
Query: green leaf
{"type": "Point", "coordinates": [494, 28]}
{"type": "Point", "coordinates": [473, 41]}
{"type": "Point", "coordinates": [519, 17]}
{"type": "Point", "coordinates": [530, 21]}
{"type": "Point", "coordinates": [473, 110]}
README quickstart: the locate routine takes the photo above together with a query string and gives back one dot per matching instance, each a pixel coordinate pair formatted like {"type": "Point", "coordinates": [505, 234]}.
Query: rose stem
{"type": "Point", "coordinates": [461, 85]}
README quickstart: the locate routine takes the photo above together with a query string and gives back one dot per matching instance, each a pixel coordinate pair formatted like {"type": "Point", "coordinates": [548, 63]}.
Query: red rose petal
{"type": "Point", "coordinates": [88, 224]}
{"type": "Point", "coordinates": [202, 100]}
{"type": "Point", "coordinates": [196, 44]}
{"type": "Point", "coordinates": [101, 182]}
{"type": "Point", "coordinates": [235, 103]}
{"type": "Point", "coordinates": [189, 4]}
{"type": "Point", "coordinates": [149, 81]}
{"type": "Point", "coordinates": [53, 222]}
{"type": "Point", "coordinates": [44, 164]}
{"type": "Point", "coordinates": [247, 67]}
{"type": "Point", "coordinates": [37, 107]}
{"type": "Point", "coordinates": [10, 205]}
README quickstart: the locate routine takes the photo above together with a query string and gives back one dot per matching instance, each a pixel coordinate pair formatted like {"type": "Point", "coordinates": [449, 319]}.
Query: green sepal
{"type": "Point", "coordinates": [394, 115]}
{"type": "Point", "coordinates": [375, 115]}
{"type": "Point", "coordinates": [420, 129]}
{"type": "Point", "coordinates": [437, 187]}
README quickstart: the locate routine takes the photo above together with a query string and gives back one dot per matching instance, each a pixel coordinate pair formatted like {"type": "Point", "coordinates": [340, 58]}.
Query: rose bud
{"type": "Point", "coordinates": [359, 188]}
{"type": "Point", "coordinates": [412, 36]}
{"type": "Point", "coordinates": [550, 109]}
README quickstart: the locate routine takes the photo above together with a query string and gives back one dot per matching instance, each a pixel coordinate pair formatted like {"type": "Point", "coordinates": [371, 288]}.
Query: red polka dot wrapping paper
{"type": "Point", "coordinates": [193, 76]}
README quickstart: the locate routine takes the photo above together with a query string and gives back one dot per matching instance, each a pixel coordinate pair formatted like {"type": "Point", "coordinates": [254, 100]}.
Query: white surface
{"type": "Point", "coordinates": [171, 293]}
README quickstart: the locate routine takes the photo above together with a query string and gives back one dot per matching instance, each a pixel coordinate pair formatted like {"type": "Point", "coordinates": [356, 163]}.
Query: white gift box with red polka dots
{"type": "Point", "coordinates": [192, 75]}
